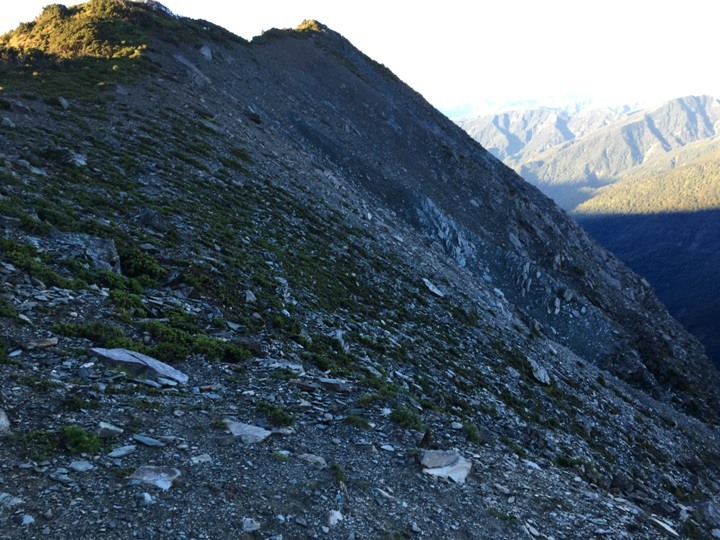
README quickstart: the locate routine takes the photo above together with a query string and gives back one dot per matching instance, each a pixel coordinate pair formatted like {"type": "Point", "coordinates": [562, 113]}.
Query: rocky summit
{"type": "Point", "coordinates": [264, 290]}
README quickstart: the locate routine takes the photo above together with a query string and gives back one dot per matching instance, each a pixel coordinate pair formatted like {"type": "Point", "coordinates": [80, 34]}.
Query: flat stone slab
{"type": "Point", "coordinates": [432, 459]}
{"type": "Point", "coordinates": [81, 466]}
{"type": "Point", "coordinates": [161, 477]}
{"type": "Point", "coordinates": [445, 466]}
{"type": "Point", "coordinates": [139, 364]}
{"type": "Point", "coordinates": [108, 431]}
{"type": "Point", "coordinates": [248, 433]}
{"type": "Point", "coordinates": [122, 451]}
{"type": "Point", "coordinates": [148, 441]}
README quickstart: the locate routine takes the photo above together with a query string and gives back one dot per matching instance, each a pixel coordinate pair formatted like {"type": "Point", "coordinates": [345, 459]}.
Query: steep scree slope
{"type": "Point", "coordinates": [328, 257]}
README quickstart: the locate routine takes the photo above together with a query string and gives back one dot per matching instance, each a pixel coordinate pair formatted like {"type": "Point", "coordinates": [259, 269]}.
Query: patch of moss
{"type": "Point", "coordinates": [407, 418]}
{"type": "Point", "coordinates": [79, 441]}
{"type": "Point", "coordinates": [274, 414]}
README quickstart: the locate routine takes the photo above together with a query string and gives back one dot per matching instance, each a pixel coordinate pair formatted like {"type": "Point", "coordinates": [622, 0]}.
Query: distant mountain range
{"type": "Point", "coordinates": [570, 156]}
{"type": "Point", "coordinates": [645, 183]}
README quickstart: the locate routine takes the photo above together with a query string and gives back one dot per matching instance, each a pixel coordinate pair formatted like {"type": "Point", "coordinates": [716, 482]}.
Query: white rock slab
{"type": "Point", "coordinates": [456, 471]}
{"type": "Point", "coordinates": [432, 459]}
{"type": "Point", "coordinates": [248, 433]}
{"type": "Point", "coordinates": [161, 477]}
{"type": "Point", "coordinates": [139, 364]}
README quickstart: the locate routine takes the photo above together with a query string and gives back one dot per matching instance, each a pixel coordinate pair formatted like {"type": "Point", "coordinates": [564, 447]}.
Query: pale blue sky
{"type": "Point", "coordinates": [480, 56]}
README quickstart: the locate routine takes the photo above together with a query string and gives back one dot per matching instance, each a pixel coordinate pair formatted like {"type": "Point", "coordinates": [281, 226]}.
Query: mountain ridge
{"type": "Point", "coordinates": [263, 219]}
{"type": "Point", "coordinates": [601, 145]}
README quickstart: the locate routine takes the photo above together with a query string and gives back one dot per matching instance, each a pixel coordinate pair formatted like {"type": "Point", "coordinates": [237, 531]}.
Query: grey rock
{"type": "Point", "coordinates": [81, 466]}
{"type": "Point", "coordinates": [139, 364]}
{"type": "Point", "coordinates": [63, 103]}
{"type": "Point", "coordinates": [336, 385]}
{"type": "Point", "coordinates": [8, 501]}
{"type": "Point", "coordinates": [250, 297]}
{"type": "Point", "coordinates": [101, 252]}
{"type": "Point", "coordinates": [248, 433]}
{"type": "Point", "coordinates": [152, 219]}
{"type": "Point", "coordinates": [709, 511]}
{"type": "Point", "coordinates": [446, 464]}
{"type": "Point", "coordinates": [314, 460]}
{"type": "Point", "coordinates": [40, 344]}
{"type": "Point", "coordinates": [161, 477]}
{"type": "Point", "coordinates": [432, 288]}
{"type": "Point", "coordinates": [280, 364]}
{"type": "Point", "coordinates": [202, 458]}
{"type": "Point", "coordinates": [438, 458]}
{"type": "Point", "coordinates": [540, 374]}
{"type": "Point", "coordinates": [335, 517]}
{"type": "Point", "coordinates": [206, 52]}
{"type": "Point", "coordinates": [108, 431]}
{"type": "Point", "coordinates": [6, 122]}
{"type": "Point", "coordinates": [250, 525]}
{"type": "Point", "coordinates": [4, 423]}
{"type": "Point", "coordinates": [122, 451]}
{"type": "Point", "coordinates": [665, 527]}
{"type": "Point", "coordinates": [148, 441]}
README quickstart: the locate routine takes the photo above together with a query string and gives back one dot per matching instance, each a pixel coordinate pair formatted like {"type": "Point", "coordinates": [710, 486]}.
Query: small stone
{"type": "Point", "coordinates": [314, 460]}
{"type": "Point", "coordinates": [6, 122]}
{"type": "Point", "coordinates": [250, 297]}
{"type": "Point", "coordinates": [28, 519]}
{"type": "Point", "coordinates": [145, 499]}
{"type": "Point", "coordinates": [456, 425]}
{"type": "Point", "coordinates": [250, 525]}
{"type": "Point", "coordinates": [63, 103]}
{"type": "Point", "coordinates": [665, 527]}
{"type": "Point", "coordinates": [40, 344]}
{"type": "Point", "coordinates": [4, 423]}
{"type": "Point", "coordinates": [122, 451]}
{"type": "Point", "coordinates": [108, 431]}
{"type": "Point", "coordinates": [206, 52]}
{"type": "Point", "coordinates": [532, 530]}
{"type": "Point", "coordinates": [248, 433]}
{"type": "Point", "coordinates": [334, 518]}
{"type": "Point", "coordinates": [388, 448]}
{"type": "Point", "coordinates": [81, 466]}
{"type": "Point", "coordinates": [8, 501]}
{"type": "Point", "coordinates": [202, 458]}
{"type": "Point", "coordinates": [161, 477]}
{"type": "Point", "coordinates": [336, 385]}
{"type": "Point", "coordinates": [539, 372]}
{"type": "Point", "coordinates": [148, 441]}
{"type": "Point", "coordinates": [432, 288]}
{"type": "Point", "coordinates": [438, 458]}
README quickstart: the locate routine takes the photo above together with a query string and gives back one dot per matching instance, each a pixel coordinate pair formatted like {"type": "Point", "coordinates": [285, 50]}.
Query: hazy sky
{"type": "Point", "coordinates": [466, 56]}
